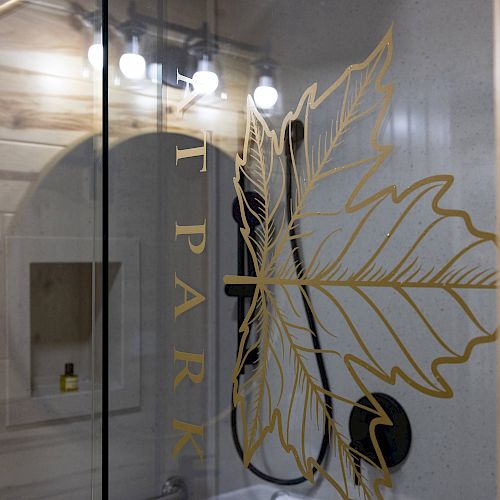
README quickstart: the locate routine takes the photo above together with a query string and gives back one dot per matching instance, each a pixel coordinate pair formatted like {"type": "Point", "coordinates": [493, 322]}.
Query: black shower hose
{"type": "Point", "coordinates": [297, 128]}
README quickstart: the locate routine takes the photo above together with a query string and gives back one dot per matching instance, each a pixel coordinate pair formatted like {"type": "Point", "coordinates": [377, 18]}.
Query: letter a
{"type": "Point", "coordinates": [197, 298]}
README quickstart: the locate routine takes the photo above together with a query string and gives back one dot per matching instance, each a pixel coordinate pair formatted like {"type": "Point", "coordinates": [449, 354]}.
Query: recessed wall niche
{"type": "Point", "coordinates": [61, 298]}
{"type": "Point", "coordinates": [49, 301]}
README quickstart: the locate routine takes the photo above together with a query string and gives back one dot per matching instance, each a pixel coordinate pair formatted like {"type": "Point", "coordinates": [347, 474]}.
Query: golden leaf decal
{"type": "Point", "coordinates": [388, 272]}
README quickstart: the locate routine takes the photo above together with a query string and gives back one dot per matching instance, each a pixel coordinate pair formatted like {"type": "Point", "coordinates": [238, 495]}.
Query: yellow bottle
{"type": "Point", "coordinates": [69, 381]}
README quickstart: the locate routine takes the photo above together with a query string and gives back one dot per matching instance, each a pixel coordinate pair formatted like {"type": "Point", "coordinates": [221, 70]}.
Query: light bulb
{"type": "Point", "coordinates": [132, 64]}
{"type": "Point", "coordinates": [205, 80]}
{"type": "Point", "coordinates": [265, 95]}
{"type": "Point", "coordinates": [95, 55]}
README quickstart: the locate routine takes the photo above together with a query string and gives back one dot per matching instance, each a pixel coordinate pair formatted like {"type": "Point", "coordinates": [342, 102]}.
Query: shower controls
{"type": "Point", "coordinates": [394, 440]}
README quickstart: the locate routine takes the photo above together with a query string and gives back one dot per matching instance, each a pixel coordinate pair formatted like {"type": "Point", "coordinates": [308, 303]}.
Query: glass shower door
{"type": "Point", "coordinates": [281, 229]}
{"type": "Point", "coordinates": [51, 259]}
{"type": "Point", "coordinates": [302, 258]}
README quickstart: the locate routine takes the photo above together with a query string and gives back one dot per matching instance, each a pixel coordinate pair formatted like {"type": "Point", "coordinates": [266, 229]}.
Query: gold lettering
{"type": "Point", "coordinates": [189, 357]}
{"type": "Point", "coordinates": [189, 96]}
{"type": "Point", "coordinates": [190, 230]}
{"type": "Point", "coordinates": [192, 152]}
{"type": "Point", "coordinates": [197, 298]}
{"type": "Point", "coordinates": [189, 430]}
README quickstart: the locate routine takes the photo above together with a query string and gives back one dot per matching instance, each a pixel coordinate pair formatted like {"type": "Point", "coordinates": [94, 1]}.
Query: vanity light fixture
{"type": "Point", "coordinates": [132, 63]}
{"type": "Point", "coordinates": [95, 52]}
{"type": "Point", "coordinates": [265, 94]}
{"type": "Point", "coordinates": [92, 21]}
{"type": "Point", "coordinates": [205, 79]}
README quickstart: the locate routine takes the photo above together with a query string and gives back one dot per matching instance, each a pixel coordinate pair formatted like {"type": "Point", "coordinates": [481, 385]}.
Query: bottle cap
{"type": "Point", "coordinates": [68, 369]}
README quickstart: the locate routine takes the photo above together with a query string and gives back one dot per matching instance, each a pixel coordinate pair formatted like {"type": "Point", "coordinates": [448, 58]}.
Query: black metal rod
{"type": "Point", "coordinates": [195, 32]}
{"type": "Point", "coordinates": [105, 252]}
{"type": "Point", "coordinates": [241, 272]}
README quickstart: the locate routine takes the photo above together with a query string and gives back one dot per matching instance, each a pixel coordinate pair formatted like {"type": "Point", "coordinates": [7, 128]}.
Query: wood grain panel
{"type": "Point", "coordinates": [49, 100]}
